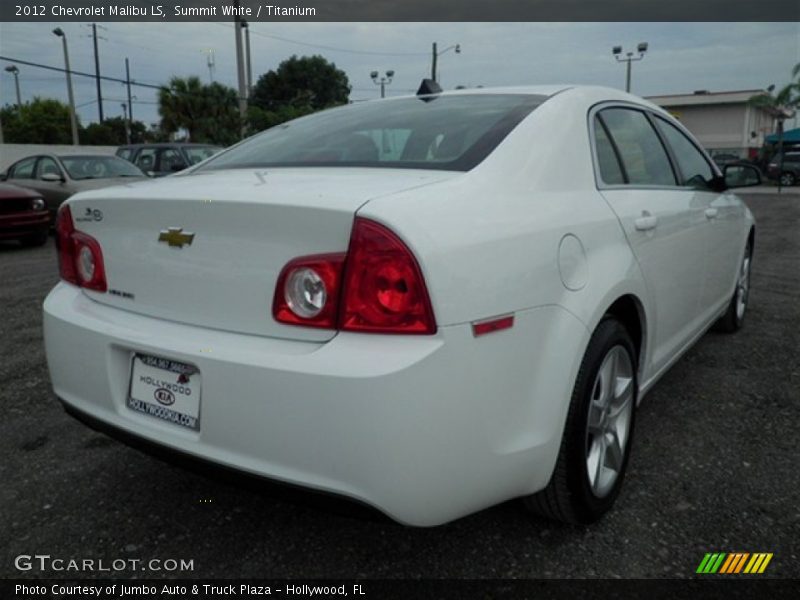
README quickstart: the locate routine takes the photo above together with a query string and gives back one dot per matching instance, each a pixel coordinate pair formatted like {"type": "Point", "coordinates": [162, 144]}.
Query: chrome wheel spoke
{"type": "Point", "coordinates": [594, 461]}
{"type": "Point", "coordinates": [614, 452]}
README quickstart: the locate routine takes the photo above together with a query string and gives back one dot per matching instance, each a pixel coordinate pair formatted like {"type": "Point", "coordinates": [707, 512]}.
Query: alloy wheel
{"type": "Point", "coordinates": [609, 423]}
{"type": "Point", "coordinates": [743, 286]}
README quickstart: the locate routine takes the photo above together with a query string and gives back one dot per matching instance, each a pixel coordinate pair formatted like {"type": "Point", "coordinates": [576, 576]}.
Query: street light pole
{"type": "Point", "coordinates": [72, 117]}
{"type": "Point", "coordinates": [382, 81]}
{"type": "Point", "coordinates": [629, 58]}
{"type": "Point", "coordinates": [436, 54]}
{"type": "Point", "coordinates": [14, 70]}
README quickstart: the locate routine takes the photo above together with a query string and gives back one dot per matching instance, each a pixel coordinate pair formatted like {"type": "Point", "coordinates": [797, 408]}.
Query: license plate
{"type": "Point", "coordinates": [165, 389]}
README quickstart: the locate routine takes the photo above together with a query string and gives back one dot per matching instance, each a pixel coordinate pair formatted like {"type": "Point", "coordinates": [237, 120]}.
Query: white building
{"type": "Point", "coordinates": [723, 122]}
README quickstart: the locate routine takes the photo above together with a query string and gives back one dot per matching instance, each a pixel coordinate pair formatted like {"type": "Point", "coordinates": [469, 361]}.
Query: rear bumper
{"type": "Point", "coordinates": [424, 428]}
{"type": "Point", "coordinates": [17, 225]}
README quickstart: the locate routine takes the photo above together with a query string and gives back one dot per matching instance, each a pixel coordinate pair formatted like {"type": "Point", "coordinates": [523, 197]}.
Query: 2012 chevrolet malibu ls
{"type": "Point", "coordinates": [430, 304]}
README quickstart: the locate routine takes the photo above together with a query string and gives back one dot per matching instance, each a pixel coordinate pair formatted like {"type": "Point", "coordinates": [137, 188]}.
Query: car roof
{"type": "Point", "coordinates": [62, 156]}
{"type": "Point", "coordinates": [168, 145]}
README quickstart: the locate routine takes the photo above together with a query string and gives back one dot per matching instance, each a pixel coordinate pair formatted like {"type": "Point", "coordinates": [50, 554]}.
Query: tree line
{"type": "Point", "coordinates": [193, 111]}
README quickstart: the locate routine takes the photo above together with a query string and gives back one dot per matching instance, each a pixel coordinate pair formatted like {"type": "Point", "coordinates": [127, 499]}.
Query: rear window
{"type": "Point", "coordinates": [98, 167]}
{"type": "Point", "coordinates": [445, 132]}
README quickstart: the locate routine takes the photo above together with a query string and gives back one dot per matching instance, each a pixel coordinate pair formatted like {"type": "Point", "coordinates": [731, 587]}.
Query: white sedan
{"type": "Point", "coordinates": [430, 304]}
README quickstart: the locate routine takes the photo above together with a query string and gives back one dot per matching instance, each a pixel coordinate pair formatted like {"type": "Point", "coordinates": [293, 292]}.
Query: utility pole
{"type": "Point", "coordinates": [240, 68]}
{"type": "Point", "coordinates": [248, 65]}
{"type": "Point", "coordinates": [436, 54]}
{"type": "Point", "coordinates": [127, 124]}
{"type": "Point", "coordinates": [72, 116]}
{"type": "Point", "coordinates": [97, 72]}
{"type": "Point", "coordinates": [128, 82]}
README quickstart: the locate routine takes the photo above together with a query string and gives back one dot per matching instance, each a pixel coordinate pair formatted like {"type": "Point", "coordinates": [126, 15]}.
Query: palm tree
{"type": "Point", "coordinates": [780, 106]}
{"type": "Point", "coordinates": [181, 105]}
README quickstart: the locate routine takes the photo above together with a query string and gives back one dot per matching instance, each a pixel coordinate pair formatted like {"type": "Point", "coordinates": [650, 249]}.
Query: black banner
{"type": "Point", "coordinates": [441, 589]}
{"type": "Point", "coordinates": [400, 10]}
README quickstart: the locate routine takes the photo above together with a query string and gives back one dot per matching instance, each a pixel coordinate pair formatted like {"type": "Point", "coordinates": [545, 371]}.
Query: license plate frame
{"type": "Point", "coordinates": [165, 389]}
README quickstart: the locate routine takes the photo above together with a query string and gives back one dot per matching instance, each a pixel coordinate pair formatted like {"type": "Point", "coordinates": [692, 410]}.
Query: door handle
{"type": "Point", "coordinates": [711, 213]}
{"type": "Point", "coordinates": [646, 222]}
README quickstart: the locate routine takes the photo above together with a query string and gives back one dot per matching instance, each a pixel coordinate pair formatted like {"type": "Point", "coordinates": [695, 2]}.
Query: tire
{"type": "Point", "coordinates": [788, 179]}
{"type": "Point", "coordinates": [733, 319]}
{"type": "Point", "coordinates": [575, 494]}
{"type": "Point", "coordinates": [35, 239]}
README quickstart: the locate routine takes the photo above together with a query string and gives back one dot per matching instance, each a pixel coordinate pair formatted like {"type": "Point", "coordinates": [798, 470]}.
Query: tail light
{"type": "Point", "coordinates": [384, 290]}
{"type": "Point", "coordinates": [376, 287]}
{"type": "Point", "coordinates": [307, 291]}
{"type": "Point", "coordinates": [80, 258]}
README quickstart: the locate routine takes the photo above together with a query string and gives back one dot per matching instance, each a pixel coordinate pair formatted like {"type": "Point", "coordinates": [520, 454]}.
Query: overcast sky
{"type": "Point", "coordinates": [683, 57]}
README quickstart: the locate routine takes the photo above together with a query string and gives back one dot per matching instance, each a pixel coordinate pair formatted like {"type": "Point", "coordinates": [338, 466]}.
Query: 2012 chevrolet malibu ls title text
{"type": "Point", "coordinates": [430, 304]}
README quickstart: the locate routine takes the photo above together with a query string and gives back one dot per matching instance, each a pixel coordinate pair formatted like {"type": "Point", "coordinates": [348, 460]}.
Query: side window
{"type": "Point", "coordinates": [47, 166]}
{"type": "Point", "coordinates": [610, 170]}
{"type": "Point", "coordinates": [695, 170]}
{"type": "Point", "coordinates": [643, 155]}
{"type": "Point", "coordinates": [169, 158]}
{"type": "Point", "coordinates": [23, 169]}
{"type": "Point", "coordinates": [146, 160]}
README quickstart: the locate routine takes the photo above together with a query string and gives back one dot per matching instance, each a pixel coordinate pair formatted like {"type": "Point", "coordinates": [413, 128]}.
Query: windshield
{"type": "Point", "coordinates": [99, 167]}
{"type": "Point", "coordinates": [196, 154]}
{"type": "Point", "coordinates": [446, 132]}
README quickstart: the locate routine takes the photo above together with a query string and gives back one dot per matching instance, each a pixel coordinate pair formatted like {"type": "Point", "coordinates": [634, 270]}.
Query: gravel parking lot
{"type": "Point", "coordinates": [714, 468]}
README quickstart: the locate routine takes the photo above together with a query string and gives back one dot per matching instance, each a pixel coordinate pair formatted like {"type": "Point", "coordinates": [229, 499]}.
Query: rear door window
{"type": "Point", "coordinates": [643, 156]}
{"type": "Point", "coordinates": [23, 169]}
{"type": "Point", "coordinates": [146, 160]}
{"type": "Point", "coordinates": [607, 160]}
{"type": "Point", "coordinates": [694, 168]}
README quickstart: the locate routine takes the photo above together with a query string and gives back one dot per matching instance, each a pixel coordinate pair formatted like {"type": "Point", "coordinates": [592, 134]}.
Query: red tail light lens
{"type": "Point", "coordinates": [377, 287]}
{"type": "Point", "coordinates": [307, 292]}
{"type": "Point", "coordinates": [65, 246]}
{"type": "Point", "coordinates": [384, 291]}
{"type": "Point", "coordinates": [80, 258]}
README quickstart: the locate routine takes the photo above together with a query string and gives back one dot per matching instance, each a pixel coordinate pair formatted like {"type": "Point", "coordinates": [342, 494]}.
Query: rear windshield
{"type": "Point", "coordinates": [446, 132]}
{"type": "Point", "coordinates": [99, 167]}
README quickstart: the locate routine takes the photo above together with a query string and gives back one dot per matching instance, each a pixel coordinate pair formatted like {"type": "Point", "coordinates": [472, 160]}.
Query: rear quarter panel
{"type": "Point", "coordinates": [488, 240]}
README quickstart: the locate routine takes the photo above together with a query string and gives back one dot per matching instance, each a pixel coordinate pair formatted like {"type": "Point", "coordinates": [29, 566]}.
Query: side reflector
{"type": "Point", "coordinates": [485, 327]}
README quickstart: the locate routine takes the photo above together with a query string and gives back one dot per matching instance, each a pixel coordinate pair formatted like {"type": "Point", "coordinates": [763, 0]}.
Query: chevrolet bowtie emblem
{"type": "Point", "coordinates": [176, 237]}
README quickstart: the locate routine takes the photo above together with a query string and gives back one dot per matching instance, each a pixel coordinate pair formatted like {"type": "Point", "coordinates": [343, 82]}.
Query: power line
{"type": "Point", "coordinates": [81, 73]}
{"type": "Point", "coordinates": [324, 47]}
{"type": "Point", "coordinates": [154, 86]}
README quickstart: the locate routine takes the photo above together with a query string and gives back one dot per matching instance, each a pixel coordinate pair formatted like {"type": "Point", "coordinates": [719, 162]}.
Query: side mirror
{"type": "Point", "coordinates": [52, 177]}
{"type": "Point", "coordinates": [178, 166]}
{"type": "Point", "coordinates": [737, 176]}
{"type": "Point", "coordinates": [3, 176]}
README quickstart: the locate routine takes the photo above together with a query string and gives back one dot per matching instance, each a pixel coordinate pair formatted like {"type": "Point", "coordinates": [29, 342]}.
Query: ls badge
{"type": "Point", "coordinates": [176, 237]}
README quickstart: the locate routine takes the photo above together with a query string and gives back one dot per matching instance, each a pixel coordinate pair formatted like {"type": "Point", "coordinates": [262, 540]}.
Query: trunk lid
{"type": "Point", "coordinates": [247, 225]}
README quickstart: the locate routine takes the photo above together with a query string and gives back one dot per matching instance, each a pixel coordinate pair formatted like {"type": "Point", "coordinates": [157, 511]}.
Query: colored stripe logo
{"type": "Point", "coordinates": [734, 563]}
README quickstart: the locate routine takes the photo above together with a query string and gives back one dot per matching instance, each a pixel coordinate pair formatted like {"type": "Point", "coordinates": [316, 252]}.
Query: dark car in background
{"type": "Point", "coordinates": [23, 215]}
{"type": "Point", "coordinates": [162, 159]}
{"type": "Point", "coordinates": [789, 172]}
{"type": "Point", "coordinates": [723, 159]}
{"type": "Point", "coordinates": [56, 177]}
